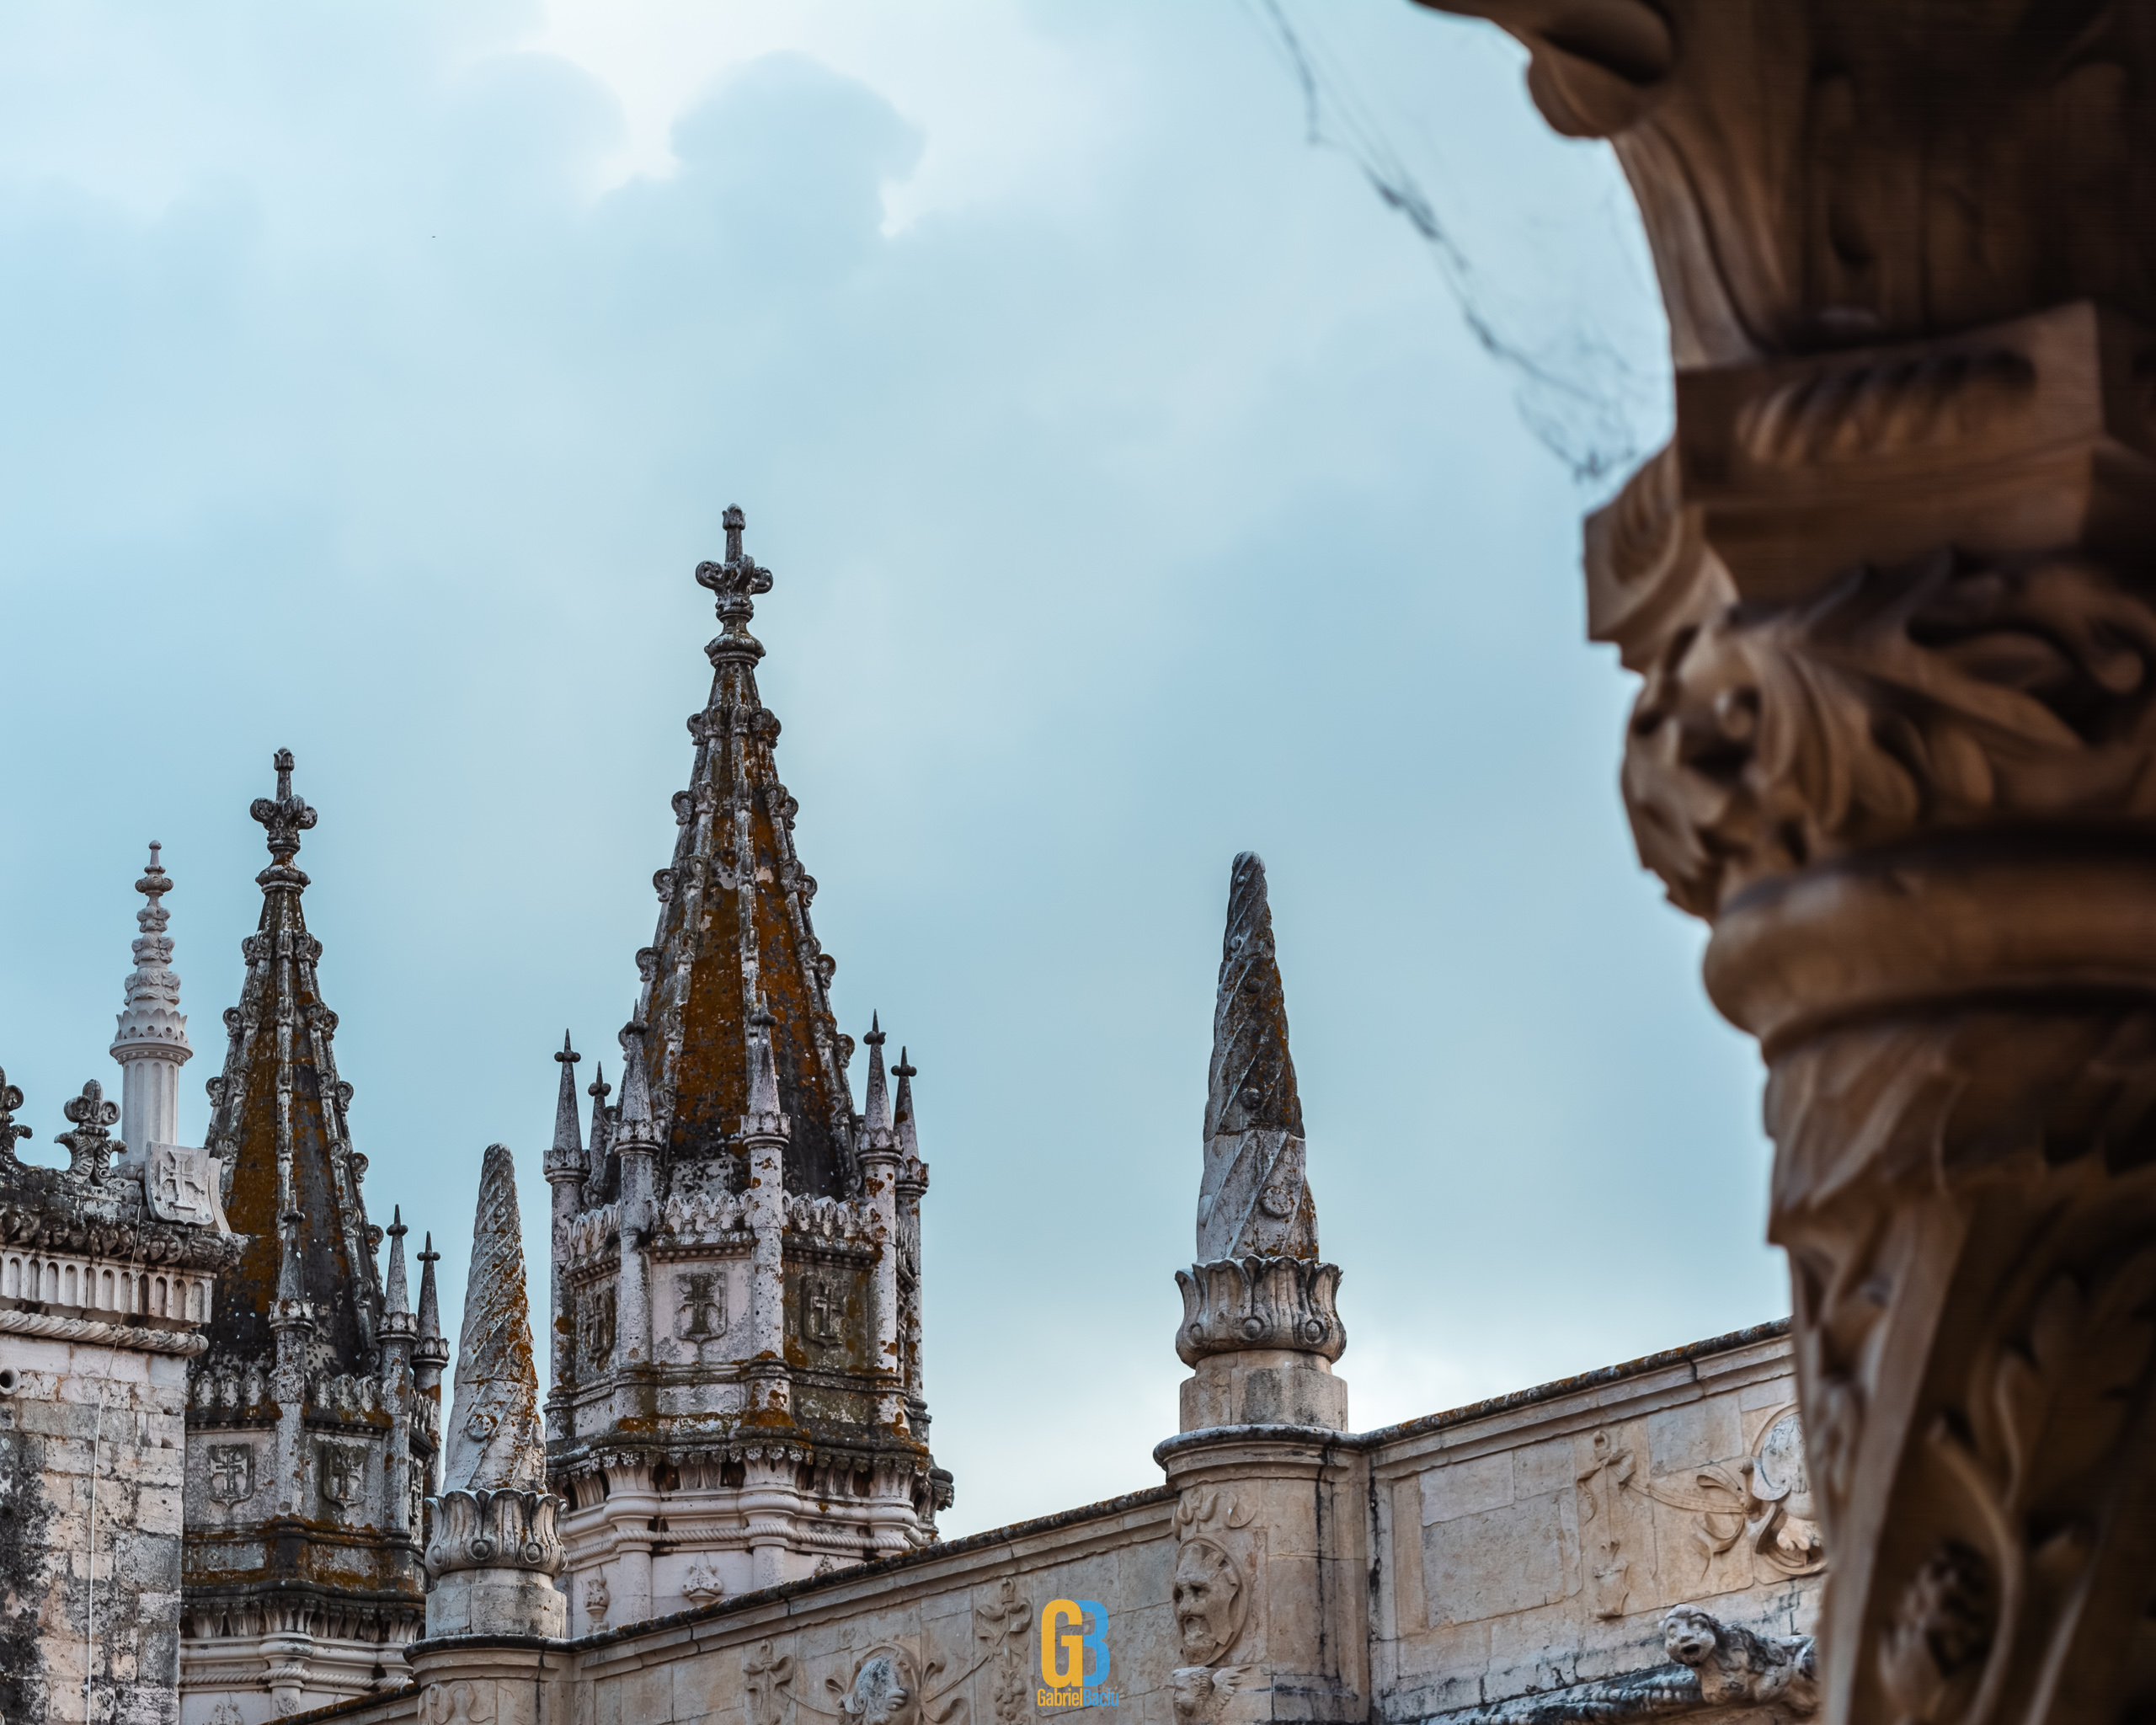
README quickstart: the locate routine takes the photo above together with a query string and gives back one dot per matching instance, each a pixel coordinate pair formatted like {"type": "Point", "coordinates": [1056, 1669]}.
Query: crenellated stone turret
{"type": "Point", "coordinates": [738, 1338]}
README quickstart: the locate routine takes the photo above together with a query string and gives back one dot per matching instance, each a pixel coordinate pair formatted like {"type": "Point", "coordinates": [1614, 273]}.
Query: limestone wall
{"type": "Point", "coordinates": [1522, 1556]}
{"type": "Point", "coordinates": [1536, 1542]}
{"type": "Point", "coordinates": [50, 1427]}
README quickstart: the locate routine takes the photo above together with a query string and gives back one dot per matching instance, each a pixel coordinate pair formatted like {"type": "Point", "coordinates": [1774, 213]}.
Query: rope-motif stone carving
{"type": "Point", "coordinates": [93, 1330]}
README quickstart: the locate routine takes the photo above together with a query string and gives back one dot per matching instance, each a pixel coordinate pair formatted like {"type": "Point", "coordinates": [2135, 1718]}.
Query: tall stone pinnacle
{"type": "Point", "coordinates": [1255, 1198]}
{"type": "Point", "coordinates": [567, 1150]}
{"type": "Point", "coordinates": [494, 1442]}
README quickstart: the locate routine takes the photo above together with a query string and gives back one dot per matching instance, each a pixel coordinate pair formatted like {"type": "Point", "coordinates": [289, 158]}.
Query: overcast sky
{"type": "Point", "coordinates": [375, 376]}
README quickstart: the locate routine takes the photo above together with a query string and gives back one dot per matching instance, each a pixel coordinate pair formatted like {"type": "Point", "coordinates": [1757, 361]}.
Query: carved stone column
{"type": "Point", "coordinates": [1890, 591]}
{"type": "Point", "coordinates": [1269, 1593]}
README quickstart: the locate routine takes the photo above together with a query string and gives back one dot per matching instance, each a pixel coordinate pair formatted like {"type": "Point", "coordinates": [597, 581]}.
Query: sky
{"type": "Point", "coordinates": [1141, 488]}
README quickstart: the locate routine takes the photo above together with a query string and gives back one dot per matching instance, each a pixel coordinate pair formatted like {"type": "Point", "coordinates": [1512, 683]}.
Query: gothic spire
{"type": "Point", "coordinates": [602, 1129]}
{"type": "Point", "coordinates": [876, 1109]}
{"type": "Point", "coordinates": [734, 928]}
{"type": "Point", "coordinates": [902, 1110]}
{"type": "Point", "coordinates": [429, 1301]}
{"type": "Point", "coordinates": [396, 1301]}
{"type": "Point", "coordinates": [279, 1123]}
{"type": "Point", "coordinates": [633, 1124]}
{"type": "Point", "coordinates": [567, 1150]}
{"type": "Point", "coordinates": [493, 1437]}
{"type": "Point", "coordinates": [1254, 1198]}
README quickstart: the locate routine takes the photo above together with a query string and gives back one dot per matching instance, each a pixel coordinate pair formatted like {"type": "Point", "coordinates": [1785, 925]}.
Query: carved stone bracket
{"type": "Point", "coordinates": [1242, 1303]}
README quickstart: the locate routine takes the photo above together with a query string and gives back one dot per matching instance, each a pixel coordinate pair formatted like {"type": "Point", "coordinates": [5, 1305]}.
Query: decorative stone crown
{"type": "Point", "coordinates": [483, 1529]}
{"type": "Point", "coordinates": [1241, 1303]}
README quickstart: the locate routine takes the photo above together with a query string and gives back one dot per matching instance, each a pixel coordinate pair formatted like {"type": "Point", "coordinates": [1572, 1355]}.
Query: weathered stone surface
{"type": "Point", "coordinates": [494, 1440]}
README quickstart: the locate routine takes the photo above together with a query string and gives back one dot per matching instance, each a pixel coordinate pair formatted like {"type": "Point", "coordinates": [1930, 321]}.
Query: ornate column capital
{"type": "Point", "coordinates": [1891, 589]}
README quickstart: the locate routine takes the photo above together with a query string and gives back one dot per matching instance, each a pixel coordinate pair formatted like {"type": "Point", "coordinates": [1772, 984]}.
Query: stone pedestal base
{"type": "Point", "coordinates": [497, 1602]}
{"type": "Point", "coordinates": [1264, 1386]}
{"type": "Point", "coordinates": [501, 1685]}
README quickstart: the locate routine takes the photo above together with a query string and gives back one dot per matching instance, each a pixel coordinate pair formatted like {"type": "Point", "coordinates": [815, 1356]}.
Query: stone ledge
{"type": "Point", "coordinates": [136, 1339]}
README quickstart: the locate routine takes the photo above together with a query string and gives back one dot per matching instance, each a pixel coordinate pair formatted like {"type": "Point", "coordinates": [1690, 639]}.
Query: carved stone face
{"type": "Point", "coordinates": [1690, 1635]}
{"type": "Point", "coordinates": [1209, 1602]}
{"type": "Point", "coordinates": [882, 1692]}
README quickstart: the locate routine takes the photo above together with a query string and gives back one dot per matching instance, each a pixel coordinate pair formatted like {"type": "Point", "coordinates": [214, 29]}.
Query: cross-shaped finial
{"type": "Point", "coordinates": [568, 1056]}
{"type": "Point", "coordinates": [600, 1089]}
{"type": "Point", "coordinates": [397, 1230]}
{"type": "Point", "coordinates": [286, 819]}
{"type": "Point", "coordinates": [736, 579]}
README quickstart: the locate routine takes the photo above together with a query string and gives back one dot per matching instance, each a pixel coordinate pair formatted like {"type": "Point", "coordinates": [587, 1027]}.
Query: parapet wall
{"type": "Point", "coordinates": [1523, 1556]}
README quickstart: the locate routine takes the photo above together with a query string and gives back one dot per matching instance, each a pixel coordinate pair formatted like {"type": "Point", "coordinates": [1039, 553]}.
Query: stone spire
{"type": "Point", "coordinates": [734, 1164]}
{"type": "Point", "coordinates": [151, 1043]}
{"type": "Point", "coordinates": [876, 1109]}
{"type": "Point", "coordinates": [396, 1299]}
{"type": "Point", "coordinates": [902, 1110]}
{"type": "Point", "coordinates": [1259, 1322]}
{"type": "Point", "coordinates": [493, 1551]}
{"type": "Point", "coordinates": [1254, 1197]}
{"type": "Point", "coordinates": [429, 1301]}
{"type": "Point", "coordinates": [734, 927]}
{"type": "Point", "coordinates": [494, 1441]}
{"type": "Point", "coordinates": [602, 1125]}
{"type": "Point", "coordinates": [301, 1360]}
{"type": "Point", "coordinates": [566, 1152]}
{"type": "Point", "coordinates": [279, 1125]}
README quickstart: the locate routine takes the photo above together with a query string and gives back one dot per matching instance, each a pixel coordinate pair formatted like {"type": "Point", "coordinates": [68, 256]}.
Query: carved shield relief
{"type": "Point", "coordinates": [184, 1185]}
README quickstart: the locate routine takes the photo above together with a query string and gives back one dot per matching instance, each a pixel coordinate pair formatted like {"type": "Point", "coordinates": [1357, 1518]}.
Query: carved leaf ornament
{"type": "Point", "coordinates": [1939, 693]}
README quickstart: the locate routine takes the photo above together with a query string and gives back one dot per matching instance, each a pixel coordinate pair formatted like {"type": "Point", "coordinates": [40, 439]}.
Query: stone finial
{"type": "Point", "coordinates": [1258, 1286]}
{"type": "Point", "coordinates": [284, 819]}
{"type": "Point", "coordinates": [565, 1158]}
{"type": "Point", "coordinates": [1255, 1197]}
{"type": "Point", "coordinates": [763, 1067]}
{"type": "Point", "coordinates": [11, 1098]}
{"type": "Point", "coordinates": [493, 1548]}
{"type": "Point", "coordinates": [396, 1299]}
{"type": "Point", "coordinates": [429, 1301]}
{"type": "Point", "coordinates": [902, 1110]}
{"type": "Point", "coordinates": [633, 1126]}
{"type": "Point", "coordinates": [89, 1145]}
{"type": "Point", "coordinates": [733, 584]}
{"type": "Point", "coordinates": [493, 1440]}
{"type": "Point", "coordinates": [602, 1136]}
{"type": "Point", "coordinates": [876, 1107]}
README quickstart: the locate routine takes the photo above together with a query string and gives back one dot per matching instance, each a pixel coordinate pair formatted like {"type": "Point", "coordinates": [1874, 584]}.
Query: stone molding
{"type": "Point", "coordinates": [484, 1530]}
{"type": "Point", "coordinates": [1237, 1304]}
{"type": "Point", "coordinates": [130, 1337]}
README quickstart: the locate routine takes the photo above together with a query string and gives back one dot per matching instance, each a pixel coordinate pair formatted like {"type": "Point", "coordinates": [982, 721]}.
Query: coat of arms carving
{"type": "Point", "coordinates": [183, 1185]}
{"type": "Point", "coordinates": [232, 1472]}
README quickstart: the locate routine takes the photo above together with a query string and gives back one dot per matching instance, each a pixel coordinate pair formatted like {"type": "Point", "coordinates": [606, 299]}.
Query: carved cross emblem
{"type": "Point", "coordinates": [823, 1316]}
{"type": "Point", "coordinates": [232, 1472]}
{"type": "Point", "coordinates": [703, 1307]}
{"type": "Point", "coordinates": [344, 1472]}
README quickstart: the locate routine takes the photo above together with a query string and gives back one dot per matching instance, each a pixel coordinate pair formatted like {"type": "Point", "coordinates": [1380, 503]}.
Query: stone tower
{"type": "Point", "coordinates": [737, 1398]}
{"type": "Point", "coordinates": [311, 1433]}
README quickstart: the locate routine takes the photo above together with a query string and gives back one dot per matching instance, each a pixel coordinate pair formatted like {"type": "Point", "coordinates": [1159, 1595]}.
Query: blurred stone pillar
{"type": "Point", "coordinates": [1889, 589]}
